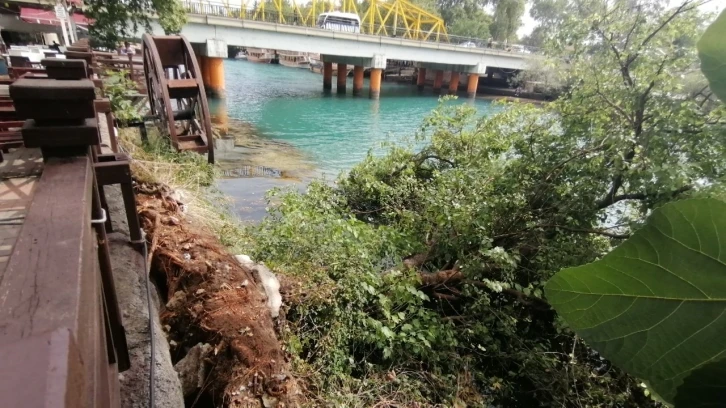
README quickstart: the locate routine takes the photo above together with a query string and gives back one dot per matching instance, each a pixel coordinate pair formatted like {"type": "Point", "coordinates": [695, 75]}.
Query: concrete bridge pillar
{"type": "Point", "coordinates": [376, 83]}
{"type": "Point", "coordinates": [454, 83]}
{"type": "Point", "coordinates": [342, 77]}
{"type": "Point", "coordinates": [438, 80]}
{"type": "Point", "coordinates": [357, 79]}
{"type": "Point", "coordinates": [378, 64]}
{"type": "Point", "coordinates": [213, 76]}
{"type": "Point", "coordinates": [327, 76]}
{"type": "Point", "coordinates": [421, 80]}
{"type": "Point", "coordinates": [210, 56]}
{"type": "Point", "coordinates": [472, 85]}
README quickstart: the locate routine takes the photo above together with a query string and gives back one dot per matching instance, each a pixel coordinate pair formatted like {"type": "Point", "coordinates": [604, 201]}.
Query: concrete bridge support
{"type": "Point", "coordinates": [357, 80]}
{"type": "Point", "coordinates": [342, 77]}
{"type": "Point", "coordinates": [377, 64]}
{"type": "Point", "coordinates": [472, 85]}
{"type": "Point", "coordinates": [210, 57]}
{"type": "Point", "coordinates": [438, 80]}
{"type": "Point", "coordinates": [421, 80]}
{"type": "Point", "coordinates": [213, 76]}
{"type": "Point", "coordinates": [376, 83]}
{"type": "Point", "coordinates": [327, 76]}
{"type": "Point", "coordinates": [454, 83]}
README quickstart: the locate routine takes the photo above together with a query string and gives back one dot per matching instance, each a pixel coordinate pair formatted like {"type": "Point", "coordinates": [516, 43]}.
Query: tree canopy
{"type": "Point", "coordinates": [469, 18]}
{"type": "Point", "coordinates": [115, 20]}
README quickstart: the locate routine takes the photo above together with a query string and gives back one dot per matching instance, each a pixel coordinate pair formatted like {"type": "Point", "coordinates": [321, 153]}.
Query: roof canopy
{"type": "Point", "coordinates": [47, 17]}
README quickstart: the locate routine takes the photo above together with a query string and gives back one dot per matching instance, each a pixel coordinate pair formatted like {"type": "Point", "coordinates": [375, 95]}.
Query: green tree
{"type": "Point", "coordinates": [507, 19]}
{"type": "Point", "coordinates": [432, 259]}
{"type": "Point", "coordinates": [468, 19]}
{"type": "Point", "coordinates": [669, 275]}
{"type": "Point", "coordinates": [552, 14]}
{"type": "Point", "coordinates": [114, 20]}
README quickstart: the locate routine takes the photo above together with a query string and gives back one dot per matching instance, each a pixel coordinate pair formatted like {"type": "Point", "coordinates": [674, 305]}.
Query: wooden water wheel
{"type": "Point", "coordinates": [176, 93]}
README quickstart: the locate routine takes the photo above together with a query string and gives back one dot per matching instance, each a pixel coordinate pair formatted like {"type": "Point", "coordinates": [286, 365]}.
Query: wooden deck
{"type": "Point", "coordinates": [19, 175]}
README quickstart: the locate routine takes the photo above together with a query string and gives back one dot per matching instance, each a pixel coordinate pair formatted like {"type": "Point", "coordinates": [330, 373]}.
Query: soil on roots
{"type": "Point", "coordinates": [210, 298]}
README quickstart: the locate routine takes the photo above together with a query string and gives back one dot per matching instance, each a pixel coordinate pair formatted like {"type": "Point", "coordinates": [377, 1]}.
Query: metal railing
{"type": "Point", "coordinates": [209, 8]}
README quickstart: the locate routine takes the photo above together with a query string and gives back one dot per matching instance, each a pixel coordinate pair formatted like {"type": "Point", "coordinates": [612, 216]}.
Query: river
{"type": "Point", "coordinates": [287, 131]}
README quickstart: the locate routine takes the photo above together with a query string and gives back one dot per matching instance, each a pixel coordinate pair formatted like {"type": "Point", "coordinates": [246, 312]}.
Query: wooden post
{"type": "Point", "coordinates": [131, 68]}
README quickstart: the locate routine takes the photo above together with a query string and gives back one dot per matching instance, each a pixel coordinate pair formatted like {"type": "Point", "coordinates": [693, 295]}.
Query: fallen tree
{"type": "Point", "coordinates": [422, 270]}
{"type": "Point", "coordinates": [215, 307]}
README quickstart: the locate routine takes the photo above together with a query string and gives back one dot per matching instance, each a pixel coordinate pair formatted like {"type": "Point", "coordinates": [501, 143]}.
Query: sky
{"type": "Point", "coordinates": [528, 22]}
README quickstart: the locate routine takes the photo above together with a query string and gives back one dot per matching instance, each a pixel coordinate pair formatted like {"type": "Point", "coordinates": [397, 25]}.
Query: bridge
{"type": "Point", "coordinates": [414, 36]}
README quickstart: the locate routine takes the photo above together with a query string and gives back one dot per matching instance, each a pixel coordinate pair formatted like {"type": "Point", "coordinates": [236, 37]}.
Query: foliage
{"type": "Point", "coordinates": [468, 21]}
{"type": "Point", "coordinates": [425, 268]}
{"type": "Point", "coordinates": [155, 161]}
{"type": "Point", "coordinates": [712, 52]}
{"type": "Point", "coordinates": [507, 19]}
{"type": "Point", "coordinates": [654, 304]}
{"type": "Point", "coordinates": [545, 73]}
{"type": "Point", "coordinates": [172, 15]}
{"type": "Point", "coordinates": [552, 14]}
{"type": "Point", "coordinates": [118, 87]}
{"type": "Point", "coordinates": [468, 18]}
{"type": "Point", "coordinates": [115, 20]}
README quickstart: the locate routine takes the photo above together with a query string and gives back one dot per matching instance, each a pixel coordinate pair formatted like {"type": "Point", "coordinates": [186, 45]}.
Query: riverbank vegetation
{"type": "Point", "coordinates": [418, 279]}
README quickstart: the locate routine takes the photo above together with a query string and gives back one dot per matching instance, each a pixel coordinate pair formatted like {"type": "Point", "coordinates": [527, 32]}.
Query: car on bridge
{"type": "Point", "coordinates": [338, 21]}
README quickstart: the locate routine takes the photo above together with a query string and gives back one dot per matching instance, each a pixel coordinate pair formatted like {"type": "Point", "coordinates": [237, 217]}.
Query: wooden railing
{"type": "Point", "coordinates": [54, 337]}
{"type": "Point", "coordinates": [62, 341]}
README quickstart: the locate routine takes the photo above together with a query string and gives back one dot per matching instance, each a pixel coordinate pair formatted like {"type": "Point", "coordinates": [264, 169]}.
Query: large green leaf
{"type": "Point", "coordinates": [712, 52]}
{"type": "Point", "coordinates": [704, 386]}
{"type": "Point", "coordinates": [656, 304]}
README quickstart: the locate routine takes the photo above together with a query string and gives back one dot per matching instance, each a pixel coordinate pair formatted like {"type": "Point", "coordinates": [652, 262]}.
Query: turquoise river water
{"type": "Point", "coordinates": [287, 130]}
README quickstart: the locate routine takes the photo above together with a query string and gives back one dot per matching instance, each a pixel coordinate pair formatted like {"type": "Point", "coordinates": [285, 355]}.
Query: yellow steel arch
{"type": "Point", "coordinates": [402, 18]}
{"type": "Point", "coordinates": [399, 18]}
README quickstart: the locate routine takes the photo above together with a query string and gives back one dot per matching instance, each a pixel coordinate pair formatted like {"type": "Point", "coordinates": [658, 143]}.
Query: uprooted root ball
{"type": "Point", "coordinates": [212, 299]}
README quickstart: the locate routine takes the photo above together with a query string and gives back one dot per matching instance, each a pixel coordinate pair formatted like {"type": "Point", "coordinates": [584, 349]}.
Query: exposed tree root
{"type": "Point", "coordinates": [212, 299]}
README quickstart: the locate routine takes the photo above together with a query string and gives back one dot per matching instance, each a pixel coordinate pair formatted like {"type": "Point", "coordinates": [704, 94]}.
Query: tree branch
{"type": "Point", "coordinates": [681, 9]}
{"type": "Point", "coordinates": [638, 196]}
{"type": "Point", "coordinates": [587, 231]}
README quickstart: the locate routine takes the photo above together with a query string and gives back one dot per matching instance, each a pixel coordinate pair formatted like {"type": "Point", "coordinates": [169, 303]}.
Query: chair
{"type": "Point", "coordinates": [20, 62]}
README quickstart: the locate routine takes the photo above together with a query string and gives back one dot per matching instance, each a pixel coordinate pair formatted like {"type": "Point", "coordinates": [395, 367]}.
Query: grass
{"type": "Point", "coordinates": [189, 174]}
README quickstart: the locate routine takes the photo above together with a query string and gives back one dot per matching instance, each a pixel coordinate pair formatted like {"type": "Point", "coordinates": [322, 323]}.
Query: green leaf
{"type": "Point", "coordinates": [656, 305]}
{"type": "Point", "coordinates": [712, 52]}
{"type": "Point", "coordinates": [704, 386]}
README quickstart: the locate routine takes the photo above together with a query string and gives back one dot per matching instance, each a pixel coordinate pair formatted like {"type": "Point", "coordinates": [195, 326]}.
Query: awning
{"type": "Point", "coordinates": [47, 17]}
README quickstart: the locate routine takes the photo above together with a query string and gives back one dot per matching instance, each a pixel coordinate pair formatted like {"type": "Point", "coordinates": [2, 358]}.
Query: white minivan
{"type": "Point", "coordinates": [337, 21]}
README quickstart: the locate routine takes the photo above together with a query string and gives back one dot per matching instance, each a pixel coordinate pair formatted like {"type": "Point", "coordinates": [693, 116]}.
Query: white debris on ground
{"type": "Point", "coordinates": [268, 280]}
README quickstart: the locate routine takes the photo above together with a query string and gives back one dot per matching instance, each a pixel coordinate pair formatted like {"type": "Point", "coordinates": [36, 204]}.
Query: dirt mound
{"type": "Point", "coordinates": [212, 299]}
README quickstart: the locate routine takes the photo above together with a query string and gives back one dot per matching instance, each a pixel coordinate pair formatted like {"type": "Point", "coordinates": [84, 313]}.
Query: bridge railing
{"type": "Point", "coordinates": [212, 8]}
